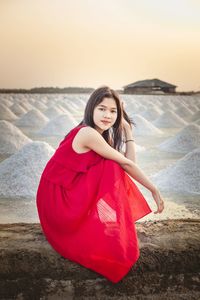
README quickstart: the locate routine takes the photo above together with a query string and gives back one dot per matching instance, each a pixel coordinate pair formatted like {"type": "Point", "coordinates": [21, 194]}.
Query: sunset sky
{"type": "Point", "coordinates": [88, 43]}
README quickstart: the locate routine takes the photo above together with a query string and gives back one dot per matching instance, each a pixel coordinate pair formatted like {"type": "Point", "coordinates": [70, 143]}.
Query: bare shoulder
{"type": "Point", "coordinates": [84, 135]}
{"type": "Point", "coordinates": [90, 138]}
{"type": "Point", "coordinates": [88, 130]}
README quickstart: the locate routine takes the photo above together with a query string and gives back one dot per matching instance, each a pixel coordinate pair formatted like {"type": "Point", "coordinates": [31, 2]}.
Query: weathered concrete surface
{"type": "Point", "coordinates": [168, 267]}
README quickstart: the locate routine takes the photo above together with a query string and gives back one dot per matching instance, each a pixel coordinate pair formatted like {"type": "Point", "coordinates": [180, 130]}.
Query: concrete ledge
{"type": "Point", "coordinates": [168, 267]}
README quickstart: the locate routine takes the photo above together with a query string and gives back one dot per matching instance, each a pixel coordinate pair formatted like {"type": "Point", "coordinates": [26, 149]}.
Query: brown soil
{"type": "Point", "coordinates": [168, 267]}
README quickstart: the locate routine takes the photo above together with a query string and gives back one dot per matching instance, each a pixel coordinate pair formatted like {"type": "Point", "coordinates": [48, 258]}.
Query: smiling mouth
{"type": "Point", "coordinates": [105, 122]}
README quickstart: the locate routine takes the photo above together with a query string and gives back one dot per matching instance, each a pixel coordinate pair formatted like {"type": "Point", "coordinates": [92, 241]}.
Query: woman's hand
{"type": "Point", "coordinates": [159, 201]}
{"type": "Point", "coordinates": [125, 124]}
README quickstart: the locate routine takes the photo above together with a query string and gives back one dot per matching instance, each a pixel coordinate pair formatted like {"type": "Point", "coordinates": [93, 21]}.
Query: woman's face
{"type": "Point", "coordinates": [105, 114]}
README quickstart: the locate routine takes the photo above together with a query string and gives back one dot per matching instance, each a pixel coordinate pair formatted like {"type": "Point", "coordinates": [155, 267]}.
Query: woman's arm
{"type": "Point", "coordinates": [89, 138]}
{"type": "Point", "coordinates": [136, 173]}
{"type": "Point", "coordinates": [130, 146]}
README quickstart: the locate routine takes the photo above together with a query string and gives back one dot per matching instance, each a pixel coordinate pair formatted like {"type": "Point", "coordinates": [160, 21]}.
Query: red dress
{"type": "Point", "coordinates": [87, 207]}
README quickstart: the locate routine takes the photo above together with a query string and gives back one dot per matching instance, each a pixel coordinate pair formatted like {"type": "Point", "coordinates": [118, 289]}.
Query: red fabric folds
{"type": "Point", "coordinates": [87, 207]}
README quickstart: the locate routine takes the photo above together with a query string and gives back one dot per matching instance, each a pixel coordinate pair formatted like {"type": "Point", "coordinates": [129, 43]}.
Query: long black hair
{"type": "Point", "coordinates": [113, 135]}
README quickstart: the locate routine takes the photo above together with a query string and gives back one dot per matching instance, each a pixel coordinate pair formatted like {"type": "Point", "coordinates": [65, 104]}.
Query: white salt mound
{"type": "Point", "coordinates": [131, 107]}
{"type": "Point", "coordinates": [20, 173]}
{"type": "Point", "coordinates": [195, 116]}
{"type": "Point", "coordinates": [33, 118]}
{"type": "Point", "coordinates": [197, 122]}
{"type": "Point", "coordinates": [81, 104]}
{"type": "Point", "coordinates": [193, 108]}
{"type": "Point", "coordinates": [184, 141]}
{"type": "Point", "coordinates": [17, 109]}
{"type": "Point", "coordinates": [138, 148]}
{"type": "Point", "coordinates": [182, 177]}
{"type": "Point", "coordinates": [152, 113]}
{"type": "Point", "coordinates": [58, 126]}
{"type": "Point", "coordinates": [26, 105]}
{"type": "Point", "coordinates": [39, 105]}
{"type": "Point", "coordinates": [61, 108]}
{"type": "Point", "coordinates": [5, 101]}
{"type": "Point", "coordinates": [74, 105]}
{"type": "Point", "coordinates": [167, 105]}
{"type": "Point", "coordinates": [141, 108]}
{"type": "Point", "coordinates": [69, 108]}
{"type": "Point", "coordinates": [53, 112]}
{"type": "Point", "coordinates": [184, 112]}
{"type": "Point", "coordinates": [11, 138]}
{"type": "Point", "coordinates": [169, 120]}
{"type": "Point", "coordinates": [144, 127]}
{"type": "Point", "coordinates": [6, 113]}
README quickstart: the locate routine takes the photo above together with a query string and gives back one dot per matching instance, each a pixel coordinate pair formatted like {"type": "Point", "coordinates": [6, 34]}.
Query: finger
{"type": "Point", "coordinates": [161, 208]}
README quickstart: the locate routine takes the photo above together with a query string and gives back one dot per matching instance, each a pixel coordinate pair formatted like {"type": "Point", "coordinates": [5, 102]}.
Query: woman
{"type": "Point", "coordinates": [87, 203]}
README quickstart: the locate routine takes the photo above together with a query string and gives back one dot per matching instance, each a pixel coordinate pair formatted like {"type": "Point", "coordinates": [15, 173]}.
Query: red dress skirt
{"type": "Point", "coordinates": [87, 206]}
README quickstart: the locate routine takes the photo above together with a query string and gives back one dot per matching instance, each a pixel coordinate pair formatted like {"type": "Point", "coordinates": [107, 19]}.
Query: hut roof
{"type": "Point", "coordinates": [149, 83]}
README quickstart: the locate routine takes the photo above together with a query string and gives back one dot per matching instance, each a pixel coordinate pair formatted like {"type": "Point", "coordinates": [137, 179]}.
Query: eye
{"type": "Point", "coordinates": [113, 111]}
{"type": "Point", "coordinates": [101, 108]}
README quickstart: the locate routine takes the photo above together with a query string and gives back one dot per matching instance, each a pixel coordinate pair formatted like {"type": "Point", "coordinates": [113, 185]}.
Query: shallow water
{"type": "Point", "coordinates": [150, 161]}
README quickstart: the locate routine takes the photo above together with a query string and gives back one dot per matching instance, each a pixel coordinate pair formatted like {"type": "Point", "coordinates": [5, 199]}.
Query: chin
{"type": "Point", "coordinates": [105, 127]}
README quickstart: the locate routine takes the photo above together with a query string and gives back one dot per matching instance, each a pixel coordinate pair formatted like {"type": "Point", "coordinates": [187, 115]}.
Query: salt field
{"type": "Point", "coordinates": [167, 136]}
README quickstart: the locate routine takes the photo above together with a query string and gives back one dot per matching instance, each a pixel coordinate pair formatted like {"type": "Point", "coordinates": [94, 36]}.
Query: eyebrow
{"type": "Point", "coordinates": [106, 106]}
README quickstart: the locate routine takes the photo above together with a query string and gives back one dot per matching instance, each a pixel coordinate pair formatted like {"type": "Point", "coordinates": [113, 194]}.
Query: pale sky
{"type": "Point", "coordinates": [88, 43]}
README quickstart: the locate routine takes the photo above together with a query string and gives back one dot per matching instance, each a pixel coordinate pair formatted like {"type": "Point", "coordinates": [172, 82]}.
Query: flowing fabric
{"type": "Point", "coordinates": [87, 207]}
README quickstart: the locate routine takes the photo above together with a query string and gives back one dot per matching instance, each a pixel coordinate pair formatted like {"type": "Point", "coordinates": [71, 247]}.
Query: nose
{"type": "Point", "coordinates": [107, 114]}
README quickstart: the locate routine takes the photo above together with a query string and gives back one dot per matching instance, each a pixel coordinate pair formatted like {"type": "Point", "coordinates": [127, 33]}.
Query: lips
{"type": "Point", "coordinates": [105, 122]}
